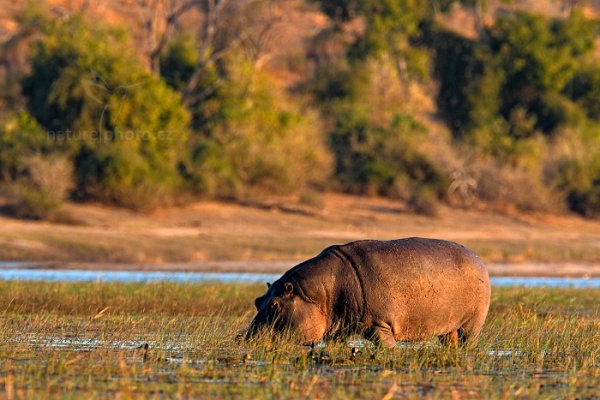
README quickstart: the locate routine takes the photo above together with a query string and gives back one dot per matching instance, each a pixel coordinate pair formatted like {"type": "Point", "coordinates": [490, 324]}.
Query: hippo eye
{"type": "Point", "coordinates": [274, 305]}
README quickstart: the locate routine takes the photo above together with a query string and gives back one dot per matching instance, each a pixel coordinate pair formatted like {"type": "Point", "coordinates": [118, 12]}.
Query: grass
{"type": "Point", "coordinates": [81, 341]}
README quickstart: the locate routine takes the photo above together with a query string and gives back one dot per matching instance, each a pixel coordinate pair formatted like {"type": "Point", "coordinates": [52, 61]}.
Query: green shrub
{"type": "Point", "coordinates": [389, 161]}
{"type": "Point", "coordinates": [586, 203]}
{"type": "Point", "coordinates": [380, 147]}
{"type": "Point", "coordinates": [391, 27]}
{"type": "Point", "coordinates": [585, 90]}
{"type": "Point", "coordinates": [553, 110]}
{"type": "Point", "coordinates": [523, 68]}
{"type": "Point", "coordinates": [178, 62]}
{"type": "Point", "coordinates": [512, 96]}
{"type": "Point", "coordinates": [87, 88]}
{"type": "Point", "coordinates": [371, 100]}
{"type": "Point", "coordinates": [574, 167]}
{"type": "Point", "coordinates": [20, 136]}
{"type": "Point", "coordinates": [256, 138]}
{"type": "Point", "coordinates": [116, 173]}
{"type": "Point", "coordinates": [455, 67]}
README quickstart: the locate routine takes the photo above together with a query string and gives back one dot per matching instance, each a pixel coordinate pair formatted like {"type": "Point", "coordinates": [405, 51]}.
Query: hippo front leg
{"type": "Point", "coordinates": [381, 335]}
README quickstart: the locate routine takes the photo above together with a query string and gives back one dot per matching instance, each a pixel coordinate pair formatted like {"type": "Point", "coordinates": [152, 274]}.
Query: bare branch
{"type": "Point", "coordinates": [159, 17]}
{"type": "Point", "coordinates": [208, 52]}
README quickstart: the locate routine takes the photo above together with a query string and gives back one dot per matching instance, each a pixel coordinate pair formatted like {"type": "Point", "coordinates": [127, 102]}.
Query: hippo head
{"type": "Point", "coordinates": [285, 308]}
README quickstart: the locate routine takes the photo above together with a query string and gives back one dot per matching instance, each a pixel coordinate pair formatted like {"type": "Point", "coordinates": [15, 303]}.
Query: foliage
{"type": "Point", "coordinates": [574, 165]}
{"type": "Point", "coordinates": [392, 27]}
{"type": "Point", "coordinates": [20, 136]}
{"type": "Point", "coordinates": [383, 160]}
{"type": "Point", "coordinates": [34, 176]}
{"type": "Point", "coordinates": [505, 187]}
{"type": "Point", "coordinates": [455, 68]}
{"type": "Point", "coordinates": [584, 89]}
{"type": "Point", "coordinates": [178, 62]}
{"type": "Point", "coordinates": [378, 144]}
{"type": "Point", "coordinates": [256, 138]}
{"type": "Point", "coordinates": [524, 96]}
{"type": "Point", "coordinates": [513, 94]}
{"type": "Point", "coordinates": [124, 126]}
{"type": "Point", "coordinates": [533, 60]}
{"type": "Point", "coordinates": [380, 147]}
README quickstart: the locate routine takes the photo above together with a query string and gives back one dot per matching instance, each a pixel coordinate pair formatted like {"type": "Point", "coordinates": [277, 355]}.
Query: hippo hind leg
{"type": "Point", "coordinates": [467, 333]}
{"type": "Point", "coordinates": [450, 339]}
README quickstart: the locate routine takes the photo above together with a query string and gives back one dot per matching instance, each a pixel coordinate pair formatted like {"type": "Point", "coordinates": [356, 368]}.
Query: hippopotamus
{"type": "Point", "coordinates": [399, 290]}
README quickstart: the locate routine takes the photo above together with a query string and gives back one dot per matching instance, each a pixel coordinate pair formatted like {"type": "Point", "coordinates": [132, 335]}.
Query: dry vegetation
{"type": "Point", "coordinates": [284, 230]}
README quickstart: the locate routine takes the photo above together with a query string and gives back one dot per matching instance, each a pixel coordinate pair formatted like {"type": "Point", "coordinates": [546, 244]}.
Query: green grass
{"type": "Point", "coordinates": [79, 341]}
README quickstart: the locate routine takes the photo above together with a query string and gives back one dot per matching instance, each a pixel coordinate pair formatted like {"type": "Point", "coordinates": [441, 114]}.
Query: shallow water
{"type": "Point", "coordinates": [9, 271]}
{"type": "Point", "coordinates": [88, 344]}
{"type": "Point", "coordinates": [558, 282]}
{"type": "Point", "coordinates": [18, 274]}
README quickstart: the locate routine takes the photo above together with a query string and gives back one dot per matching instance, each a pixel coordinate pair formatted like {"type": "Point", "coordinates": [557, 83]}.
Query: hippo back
{"type": "Point", "coordinates": [418, 283]}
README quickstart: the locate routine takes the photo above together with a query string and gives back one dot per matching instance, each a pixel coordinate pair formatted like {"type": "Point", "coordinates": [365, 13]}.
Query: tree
{"type": "Point", "coordinates": [160, 18]}
{"type": "Point", "coordinates": [123, 126]}
{"type": "Point", "coordinates": [392, 27]}
{"type": "Point", "coordinates": [377, 141]}
{"type": "Point", "coordinates": [523, 72]}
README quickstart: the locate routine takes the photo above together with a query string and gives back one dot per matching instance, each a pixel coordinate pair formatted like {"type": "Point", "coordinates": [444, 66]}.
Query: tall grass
{"type": "Point", "coordinates": [88, 340]}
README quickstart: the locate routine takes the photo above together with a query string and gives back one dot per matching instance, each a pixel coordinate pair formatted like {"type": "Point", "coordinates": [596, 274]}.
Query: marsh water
{"type": "Point", "coordinates": [13, 271]}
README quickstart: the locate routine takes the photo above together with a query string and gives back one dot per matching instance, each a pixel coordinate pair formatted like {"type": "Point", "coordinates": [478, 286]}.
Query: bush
{"type": "Point", "coordinates": [178, 62]}
{"type": "Point", "coordinates": [523, 72]}
{"type": "Point", "coordinates": [380, 148]}
{"type": "Point", "coordinates": [586, 203]}
{"type": "Point", "coordinates": [44, 183]}
{"type": "Point", "coordinates": [585, 90]}
{"type": "Point", "coordinates": [390, 161]}
{"type": "Point", "coordinates": [507, 187]}
{"type": "Point", "coordinates": [116, 173]}
{"type": "Point", "coordinates": [20, 136]}
{"type": "Point", "coordinates": [392, 28]}
{"type": "Point", "coordinates": [574, 167]}
{"type": "Point", "coordinates": [256, 138]}
{"type": "Point", "coordinates": [87, 88]}
{"type": "Point", "coordinates": [455, 66]}
{"type": "Point", "coordinates": [553, 110]}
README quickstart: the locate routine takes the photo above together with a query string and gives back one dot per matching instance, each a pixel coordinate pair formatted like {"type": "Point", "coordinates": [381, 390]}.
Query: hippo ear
{"type": "Point", "coordinates": [289, 288]}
